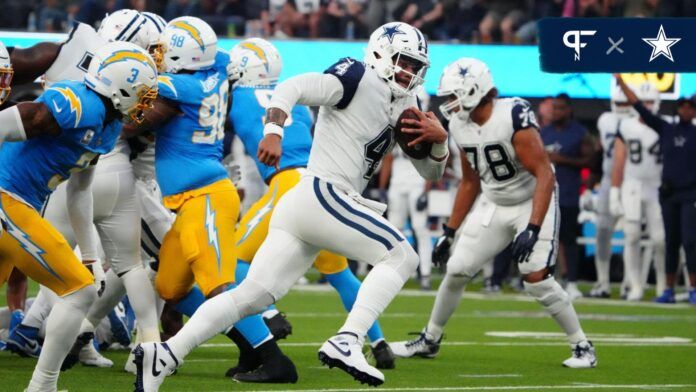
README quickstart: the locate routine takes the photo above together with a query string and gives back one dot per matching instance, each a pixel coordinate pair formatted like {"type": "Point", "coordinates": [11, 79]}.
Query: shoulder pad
{"type": "Point", "coordinates": [65, 103]}
{"type": "Point", "coordinates": [349, 72]}
{"type": "Point", "coordinates": [522, 115]}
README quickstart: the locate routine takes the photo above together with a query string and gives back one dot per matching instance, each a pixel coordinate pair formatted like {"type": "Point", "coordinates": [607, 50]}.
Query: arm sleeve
{"type": "Point", "coordinates": [81, 212]}
{"type": "Point", "coordinates": [430, 169]}
{"type": "Point", "coordinates": [523, 116]}
{"type": "Point", "coordinates": [652, 120]}
{"type": "Point", "coordinates": [311, 89]}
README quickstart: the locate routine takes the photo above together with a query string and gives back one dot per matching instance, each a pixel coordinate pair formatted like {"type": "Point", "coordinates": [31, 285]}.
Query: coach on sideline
{"type": "Point", "coordinates": [678, 190]}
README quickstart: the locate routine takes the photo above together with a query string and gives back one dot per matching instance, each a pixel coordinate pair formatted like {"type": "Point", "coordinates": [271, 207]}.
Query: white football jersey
{"type": "Point", "coordinates": [490, 152]}
{"type": "Point", "coordinates": [75, 55]}
{"type": "Point", "coordinates": [607, 125]}
{"type": "Point", "coordinates": [403, 173]}
{"type": "Point", "coordinates": [351, 138]}
{"type": "Point", "coordinates": [643, 154]}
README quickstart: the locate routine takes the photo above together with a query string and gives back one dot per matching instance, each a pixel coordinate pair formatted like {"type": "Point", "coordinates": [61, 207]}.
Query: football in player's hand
{"type": "Point", "coordinates": [417, 151]}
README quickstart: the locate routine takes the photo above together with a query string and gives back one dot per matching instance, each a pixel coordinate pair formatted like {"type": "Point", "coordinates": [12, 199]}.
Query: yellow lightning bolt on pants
{"type": "Point", "coordinates": [35, 247]}
{"type": "Point", "coordinates": [252, 231]}
{"type": "Point", "coordinates": [187, 254]}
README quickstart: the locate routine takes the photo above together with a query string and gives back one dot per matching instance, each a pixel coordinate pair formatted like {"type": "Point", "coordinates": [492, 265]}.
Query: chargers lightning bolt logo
{"type": "Point", "coordinates": [212, 230]}
{"type": "Point", "coordinates": [30, 247]}
{"type": "Point", "coordinates": [73, 100]}
{"type": "Point", "coordinates": [258, 217]}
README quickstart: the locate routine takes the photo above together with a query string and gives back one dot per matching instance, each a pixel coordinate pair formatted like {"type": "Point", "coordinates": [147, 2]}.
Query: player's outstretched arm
{"type": "Point", "coordinates": [162, 111]}
{"type": "Point", "coordinates": [530, 151]}
{"type": "Point", "coordinates": [654, 121]}
{"type": "Point", "coordinates": [27, 120]}
{"type": "Point", "coordinates": [30, 63]}
{"type": "Point", "coordinates": [310, 89]}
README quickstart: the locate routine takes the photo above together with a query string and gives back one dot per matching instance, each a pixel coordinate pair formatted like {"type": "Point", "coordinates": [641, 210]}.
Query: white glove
{"type": "Point", "coordinates": [95, 267]}
{"type": "Point", "coordinates": [615, 207]}
{"type": "Point", "coordinates": [235, 174]}
{"type": "Point", "coordinates": [587, 201]}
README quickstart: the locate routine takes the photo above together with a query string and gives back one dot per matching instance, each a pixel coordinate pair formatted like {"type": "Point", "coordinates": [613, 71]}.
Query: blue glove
{"type": "Point", "coordinates": [441, 251]}
{"type": "Point", "coordinates": [523, 245]}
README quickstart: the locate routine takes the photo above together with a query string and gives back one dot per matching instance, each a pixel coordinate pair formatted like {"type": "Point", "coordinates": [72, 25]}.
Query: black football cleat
{"type": "Point", "coordinates": [279, 325]}
{"type": "Point", "coordinates": [384, 357]}
{"type": "Point", "coordinates": [277, 370]}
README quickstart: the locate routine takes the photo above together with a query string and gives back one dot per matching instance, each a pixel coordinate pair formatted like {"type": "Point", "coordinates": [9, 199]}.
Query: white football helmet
{"type": "Point", "coordinates": [649, 95]}
{"type": "Point", "coordinates": [155, 25]}
{"type": "Point", "coordinates": [126, 74]}
{"type": "Point", "coordinates": [254, 62]}
{"type": "Point", "coordinates": [469, 80]}
{"type": "Point", "coordinates": [6, 74]}
{"type": "Point", "coordinates": [189, 44]}
{"type": "Point", "coordinates": [126, 25]}
{"type": "Point", "coordinates": [393, 44]}
{"type": "Point", "coordinates": [619, 103]}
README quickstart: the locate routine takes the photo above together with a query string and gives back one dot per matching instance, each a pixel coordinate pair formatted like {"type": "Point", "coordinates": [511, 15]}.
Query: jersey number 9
{"type": "Point", "coordinates": [212, 115]}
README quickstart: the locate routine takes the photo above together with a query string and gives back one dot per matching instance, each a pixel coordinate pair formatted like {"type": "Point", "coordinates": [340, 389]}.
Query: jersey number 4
{"type": "Point", "coordinates": [376, 149]}
{"type": "Point", "coordinates": [635, 151]}
{"type": "Point", "coordinates": [497, 158]}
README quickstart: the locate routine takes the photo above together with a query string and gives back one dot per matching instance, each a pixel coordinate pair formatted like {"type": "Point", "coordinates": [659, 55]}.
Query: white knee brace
{"type": "Point", "coordinates": [549, 294]}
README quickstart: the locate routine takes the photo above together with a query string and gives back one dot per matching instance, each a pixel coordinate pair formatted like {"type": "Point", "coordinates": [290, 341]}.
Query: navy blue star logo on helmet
{"type": "Point", "coordinates": [390, 32]}
{"type": "Point", "coordinates": [463, 71]}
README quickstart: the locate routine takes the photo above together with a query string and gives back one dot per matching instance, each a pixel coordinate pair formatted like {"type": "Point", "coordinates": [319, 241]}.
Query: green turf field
{"type": "Point", "coordinates": [493, 343]}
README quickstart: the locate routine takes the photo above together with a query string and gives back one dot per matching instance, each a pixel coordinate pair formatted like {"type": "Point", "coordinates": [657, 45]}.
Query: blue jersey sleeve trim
{"type": "Point", "coordinates": [523, 116]}
{"type": "Point", "coordinates": [349, 72]}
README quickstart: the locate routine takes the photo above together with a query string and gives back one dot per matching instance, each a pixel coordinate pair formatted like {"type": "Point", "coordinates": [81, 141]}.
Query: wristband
{"type": "Point", "coordinates": [533, 228]}
{"type": "Point", "coordinates": [273, 128]}
{"type": "Point", "coordinates": [448, 231]}
{"type": "Point", "coordinates": [439, 151]}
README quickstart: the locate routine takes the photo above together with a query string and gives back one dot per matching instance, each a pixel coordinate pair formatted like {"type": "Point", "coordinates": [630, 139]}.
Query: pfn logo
{"type": "Point", "coordinates": [576, 44]}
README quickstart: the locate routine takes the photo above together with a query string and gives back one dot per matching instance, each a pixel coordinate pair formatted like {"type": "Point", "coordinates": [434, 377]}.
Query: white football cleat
{"type": "Point", "coordinates": [89, 356]}
{"type": "Point", "coordinates": [154, 362]}
{"type": "Point", "coordinates": [573, 292]}
{"type": "Point", "coordinates": [424, 346]}
{"type": "Point", "coordinates": [634, 294]}
{"type": "Point", "coordinates": [344, 351]}
{"type": "Point", "coordinates": [583, 356]}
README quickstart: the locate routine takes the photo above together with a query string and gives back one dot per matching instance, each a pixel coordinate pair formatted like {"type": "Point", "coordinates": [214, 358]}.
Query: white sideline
{"type": "Point", "coordinates": [493, 344]}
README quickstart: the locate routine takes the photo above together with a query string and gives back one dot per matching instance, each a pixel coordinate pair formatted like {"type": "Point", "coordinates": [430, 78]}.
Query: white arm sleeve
{"type": "Point", "coordinates": [11, 125]}
{"type": "Point", "coordinates": [80, 206]}
{"type": "Point", "coordinates": [311, 89]}
{"type": "Point", "coordinates": [432, 169]}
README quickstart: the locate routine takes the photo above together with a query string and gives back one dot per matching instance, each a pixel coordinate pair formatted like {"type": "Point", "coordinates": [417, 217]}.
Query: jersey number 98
{"type": "Point", "coordinates": [212, 115]}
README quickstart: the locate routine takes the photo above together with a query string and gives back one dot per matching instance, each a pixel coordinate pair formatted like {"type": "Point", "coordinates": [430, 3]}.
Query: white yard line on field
{"type": "Point", "coordinates": [489, 375]}
{"type": "Point", "coordinates": [505, 296]}
{"type": "Point", "coordinates": [506, 388]}
{"type": "Point", "coordinates": [493, 344]}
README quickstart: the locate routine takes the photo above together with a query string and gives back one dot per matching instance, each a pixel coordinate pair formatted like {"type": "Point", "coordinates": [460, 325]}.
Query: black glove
{"type": "Point", "coordinates": [422, 202]}
{"type": "Point", "coordinates": [441, 252]}
{"type": "Point", "coordinates": [524, 243]}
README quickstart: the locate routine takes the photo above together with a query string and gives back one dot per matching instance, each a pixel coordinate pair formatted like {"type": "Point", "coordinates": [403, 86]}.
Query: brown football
{"type": "Point", "coordinates": [420, 150]}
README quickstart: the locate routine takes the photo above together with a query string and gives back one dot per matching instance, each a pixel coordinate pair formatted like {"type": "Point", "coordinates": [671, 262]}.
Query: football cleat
{"type": "Point", "coordinates": [344, 351]}
{"type": "Point", "coordinates": [667, 297]}
{"type": "Point", "coordinates": [573, 292]}
{"type": "Point", "coordinates": [634, 295]}
{"type": "Point", "coordinates": [89, 356]}
{"type": "Point", "coordinates": [279, 326]}
{"type": "Point", "coordinates": [24, 341]}
{"type": "Point", "coordinates": [154, 362]}
{"type": "Point", "coordinates": [16, 318]}
{"type": "Point", "coordinates": [73, 356]}
{"type": "Point", "coordinates": [384, 357]}
{"type": "Point", "coordinates": [424, 346]}
{"type": "Point", "coordinates": [599, 290]}
{"type": "Point", "coordinates": [425, 284]}
{"type": "Point", "coordinates": [583, 356]}
{"type": "Point", "coordinates": [278, 370]}
{"type": "Point", "coordinates": [121, 327]}
{"type": "Point", "coordinates": [249, 359]}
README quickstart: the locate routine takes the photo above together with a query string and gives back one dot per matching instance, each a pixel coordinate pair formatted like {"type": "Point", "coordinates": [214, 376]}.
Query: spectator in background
{"type": "Point", "coordinates": [297, 18]}
{"type": "Point", "coordinates": [538, 9]}
{"type": "Point", "coordinates": [462, 19]}
{"type": "Point", "coordinates": [52, 17]}
{"type": "Point", "coordinates": [177, 8]}
{"type": "Point", "coordinates": [545, 112]}
{"type": "Point", "coordinates": [570, 149]}
{"type": "Point", "coordinates": [421, 14]}
{"type": "Point", "coordinates": [586, 8]}
{"type": "Point", "coordinates": [343, 19]}
{"type": "Point", "coordinates": [653, 8]}
{"type": "Point", "coordinates": [380, 12]}
{"type": "Point", "coordinates": [503, 17]}
{"type": "Point", "coordinates": [258, 19]}
{"type": "Point", "coordinates": [93, 11]}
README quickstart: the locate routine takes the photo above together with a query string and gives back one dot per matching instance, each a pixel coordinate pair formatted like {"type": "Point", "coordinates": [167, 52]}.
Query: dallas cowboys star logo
{"type": "Point", "coordinates": [661, 45]}
{"type": "Point", "coordinates": [390, 32]}
{"type": "Point", "coordinates": [463, 71]}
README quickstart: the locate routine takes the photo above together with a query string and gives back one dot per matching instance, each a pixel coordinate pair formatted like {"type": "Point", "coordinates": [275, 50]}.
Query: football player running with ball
{"type": "Point", "coordinates": [359, 105]}
{"type": "Point", "coordinates": [507, 193]}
